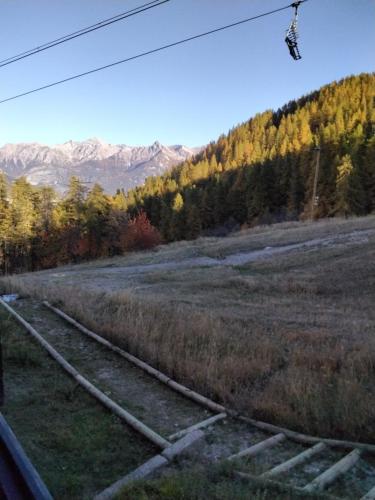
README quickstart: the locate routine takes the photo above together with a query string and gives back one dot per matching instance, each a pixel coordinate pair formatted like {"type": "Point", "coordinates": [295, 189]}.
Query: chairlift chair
{"type": "Point", "coordinates": [292, 34]}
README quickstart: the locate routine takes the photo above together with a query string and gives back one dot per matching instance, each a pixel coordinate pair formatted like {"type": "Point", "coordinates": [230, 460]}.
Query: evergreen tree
{"type": "Point", "coordinates": [98, 208]}
{"type": "Point", "coordinates": [193, 223]}
{"type": "Point", "coordinates": [177, 217]}
{"type": "Point", "coordinates": [261, 171]}
{"type": "Point", "coordinates": [264, 169]}
{"type": "Point", "coordinates": [344, 172]}
{"type": "Point", "coordinates": [73, 206]}
{"type": "Point", "coordinates": [5, 223]}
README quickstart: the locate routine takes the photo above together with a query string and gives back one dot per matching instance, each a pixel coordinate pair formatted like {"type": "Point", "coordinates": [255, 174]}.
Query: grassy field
{"type": "Point", "coordinates": [289, 339]}
{"type": "Point", "coordinates": [77, 446]}
{"type": "Point", "coordinates": [215, 483]}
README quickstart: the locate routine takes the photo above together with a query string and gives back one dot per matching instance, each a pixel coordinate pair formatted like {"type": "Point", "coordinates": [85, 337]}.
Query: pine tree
{"type": "Point", "coordinates": [366, 168]}
{"type": "Point", "coordinates": [73, 205]}
{"type": "Point", "coordinates": [260, 171]}
{"type": "Point", "coordinates": [193, 223]}
{"type": "Point", "coordinates": [344, 172]}
{"type": "Point", "coordinates": [97, 212]}
{"type": "Point", "coordinates": [4, 205]}
{"type": "Point", "coordinates": [23, 217]}
{"type": "Point", "coordinates": [5, 223]}
{"type": "Point", "coordinates": [177, 218]}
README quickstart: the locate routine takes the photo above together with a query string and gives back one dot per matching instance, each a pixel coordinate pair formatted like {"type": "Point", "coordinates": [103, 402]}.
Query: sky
{"type": "Point", "coordinates": [187, 95]}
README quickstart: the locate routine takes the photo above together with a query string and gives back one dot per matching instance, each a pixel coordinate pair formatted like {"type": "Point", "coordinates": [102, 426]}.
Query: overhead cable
{"type": "Point", "coordinates": [147, 53]}
{"type": "Point", "coordinates": [83, 31]}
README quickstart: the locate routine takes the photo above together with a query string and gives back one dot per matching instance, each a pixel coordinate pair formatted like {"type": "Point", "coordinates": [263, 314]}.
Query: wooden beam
{"type": "Point", "coordinates": [293, 462]}
{"type": "Point", "coordinates": [185, 391]}
{"type": "Point", "coordinates": [90, 388]}
{"type": "Point", "coordinates": [151, 465]}
{"type": "Point", "coordinates": [141, 472]}
{"type": "Point", "coordinates": [208, 403]}
{"type": "Point", "coordinates": [293, 491]}
{"type": "Point", "coordinates": [259, 447]}
{"type": "Point", "coordinates": [305, 438]}
{"type": "Point", "coordinates": [199, 425]}
{"type": "Point", "coordinates": [370, 495]}
{"type": "Point", "coordinates": [330, 475]}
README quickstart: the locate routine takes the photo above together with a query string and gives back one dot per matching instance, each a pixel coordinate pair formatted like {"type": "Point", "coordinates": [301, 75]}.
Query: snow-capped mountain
{"type": "Point", "coordinates": [112, 166]}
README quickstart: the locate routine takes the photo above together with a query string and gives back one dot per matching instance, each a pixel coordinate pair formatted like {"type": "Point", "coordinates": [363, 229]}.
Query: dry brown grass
{"type": "Point", "coordinates": [289, 340]}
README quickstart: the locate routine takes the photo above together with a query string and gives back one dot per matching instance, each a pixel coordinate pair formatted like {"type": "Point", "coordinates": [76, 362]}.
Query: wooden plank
{"type": "Point", "coordinates": [259, 447]}
{"type": "Point", "coordinates": [370, 495]}
{"type": "Point", "coordinates": [306, 439]}
{"type": "Point", "coordinates": [297, 460]}
{"type": "Point", "coordinates": [185, 391]}
{"type": "Point", "coordinates": [182, 444]}
{"type": "Point", "coordinates": [292, 491]}
{"type": "Point", "coordinates": [140, 473]}
{"type": "Point", "coordinates": [208, 403]}
{"type": "Point", "coordinates": [331, 474]}
{"type": "Point", "coordinates": [199, 425]}
{"type": "Point", "coordinates": [151, 465]}
{"type": "Point", "coordinates": [90, 388]}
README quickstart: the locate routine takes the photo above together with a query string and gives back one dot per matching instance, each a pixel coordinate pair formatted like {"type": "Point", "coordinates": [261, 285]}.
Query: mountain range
{"type": "Point", "coordinates": [112, 166]}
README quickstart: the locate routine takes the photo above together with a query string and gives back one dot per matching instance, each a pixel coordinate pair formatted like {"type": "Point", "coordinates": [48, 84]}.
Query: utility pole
{"type": "Point", "coordinates": [315, 198]}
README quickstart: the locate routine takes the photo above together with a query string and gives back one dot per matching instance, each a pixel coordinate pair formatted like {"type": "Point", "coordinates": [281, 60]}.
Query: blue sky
{"type": "Point", "coordinates": [187, 95]}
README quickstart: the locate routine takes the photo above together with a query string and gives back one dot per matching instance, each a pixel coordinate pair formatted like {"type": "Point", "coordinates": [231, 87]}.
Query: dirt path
{"type": "Point", "coordinates": [167, 412]}
{"type": "Point", "coordinates": [236, 259]}
{"type": "Point", "coordinates": [148, 400]}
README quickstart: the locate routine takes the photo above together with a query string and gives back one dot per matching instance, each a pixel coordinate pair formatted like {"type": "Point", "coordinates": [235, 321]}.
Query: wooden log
{"type": "Point", "coordinates": [208, 403]}
{"type": "Point", "coordinates": [293, 462]}
{"type": "Point", "coordinates": [293, 491]}
{"type": "Point", "coordinates": [90, 388]}
{"type": "Point", "coordinates": [151, 465]}
{"type": "Point", "coordinates": [306, 439]}
{"type": "Point", "coordinates": [259, 447]}
{"type": "Point", "coordinates": [182, 444]}
{"type": "Point", "coordinates": [185, 391]}
{"type": "Point", "coordinates": [140, 473]}
{"type": "Point", "coordinates": [199, 425]}
{"type": "Point", "coordinates": [330, 475]}
{"type": "Point", "coordinates": [370, 495]}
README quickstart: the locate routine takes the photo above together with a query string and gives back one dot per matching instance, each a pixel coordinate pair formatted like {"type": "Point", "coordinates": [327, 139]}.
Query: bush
{"type": "Point", "coordinates": [140, 234]}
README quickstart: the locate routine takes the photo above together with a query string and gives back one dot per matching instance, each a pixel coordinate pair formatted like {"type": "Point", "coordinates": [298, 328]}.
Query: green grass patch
{"type": "Point", "coordinates": [215, 483]}
{"type": "Point", "coordinates": [77, 446]}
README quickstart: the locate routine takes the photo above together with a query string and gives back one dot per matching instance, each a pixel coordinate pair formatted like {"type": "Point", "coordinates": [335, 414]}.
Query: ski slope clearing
{"type": "Point", "coordinates": [275, 321]}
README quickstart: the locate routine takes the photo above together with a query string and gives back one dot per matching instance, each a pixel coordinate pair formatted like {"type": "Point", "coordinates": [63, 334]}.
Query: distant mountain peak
{"type": "Point", "coordinates": [92, 160]}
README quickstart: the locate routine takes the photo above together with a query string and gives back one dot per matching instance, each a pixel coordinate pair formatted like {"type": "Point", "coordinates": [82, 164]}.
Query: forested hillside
{"type": "Point", "coordinates": [39, 230]}
{"type": "Point", "coordinates": [263, 170]}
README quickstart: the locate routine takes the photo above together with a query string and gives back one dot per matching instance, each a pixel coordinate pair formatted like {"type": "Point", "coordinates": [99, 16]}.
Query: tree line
{"type": "Point", "coordinates": [263, 170]}
{"type": "Point", "coordinates": [39, 229]}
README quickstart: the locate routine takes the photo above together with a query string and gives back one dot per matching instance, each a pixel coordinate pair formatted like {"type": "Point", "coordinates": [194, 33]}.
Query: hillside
{"type": "Point", "coordinates": [275, 321]}
{"type": "Point", "coordinates": [92, 161]}
{"type": "Point", "coordinates": [263, 170]}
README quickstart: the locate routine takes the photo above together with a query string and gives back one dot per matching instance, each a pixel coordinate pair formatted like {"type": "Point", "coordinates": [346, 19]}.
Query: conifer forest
{"type": "Point", "coordinates": [261, 172]}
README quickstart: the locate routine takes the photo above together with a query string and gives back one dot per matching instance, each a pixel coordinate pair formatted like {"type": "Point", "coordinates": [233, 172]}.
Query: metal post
{"type": "Point", "coordinates": [315, 198]}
